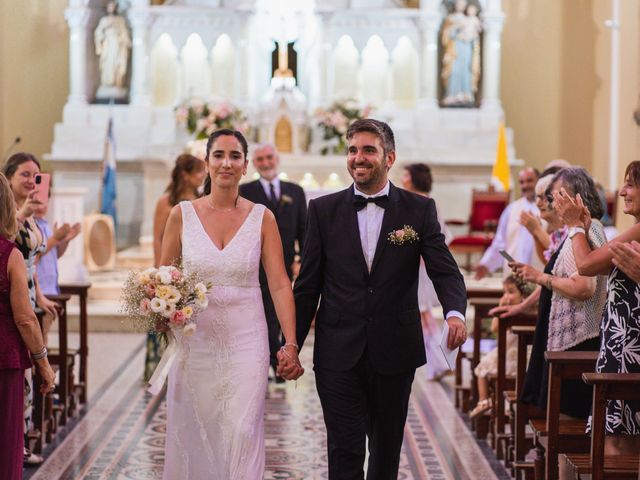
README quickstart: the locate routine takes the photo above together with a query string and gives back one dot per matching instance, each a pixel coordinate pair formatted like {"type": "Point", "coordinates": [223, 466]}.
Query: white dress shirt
{"type": "Point", "coordinates": [370, 224]}
{"type": "Point", "coordinates": [267, 189]}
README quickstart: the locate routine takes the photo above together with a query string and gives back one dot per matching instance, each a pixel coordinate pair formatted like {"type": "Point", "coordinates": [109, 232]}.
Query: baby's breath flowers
{"type": "Point", "coordinates": [403, 235]}
{"type": "Point", "coordinates": [164, 299]}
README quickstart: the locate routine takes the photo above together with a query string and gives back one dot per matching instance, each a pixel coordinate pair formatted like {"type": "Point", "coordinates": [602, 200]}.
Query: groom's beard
{"type": "Point", "coordinates": [373, 176]}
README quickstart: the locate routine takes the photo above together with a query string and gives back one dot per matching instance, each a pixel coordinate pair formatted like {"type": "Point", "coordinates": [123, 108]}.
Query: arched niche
{"type": "Point", "coordinates": [164, 72]}
{"type": "Point", "coordinates": [373, 71]}
{"type": "Point", "coordinates": [345, 69]}
{"type": "Point", "coordinates": [195, 68]}
{"type": "Point", "coordinates": [404, 73]}
{"type": "Point", "coordinates": [223, 67]}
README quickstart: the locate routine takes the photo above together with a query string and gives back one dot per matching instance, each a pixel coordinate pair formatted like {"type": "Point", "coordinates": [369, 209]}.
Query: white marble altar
{"type": "Point", "coordinates": [372, 50]}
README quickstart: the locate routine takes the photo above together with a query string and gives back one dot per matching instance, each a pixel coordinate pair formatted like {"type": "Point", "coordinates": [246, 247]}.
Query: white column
{"type": "Point", "coordinates": [140, 19]}
{"type": "Point", "coordinates": [493, 22]}
{"type": "Point", "coordinates": [430, 20]}
{"type": "Point", "coordinates": [78, 20]}
{"type": "Point", "coordinates": [614, 93]}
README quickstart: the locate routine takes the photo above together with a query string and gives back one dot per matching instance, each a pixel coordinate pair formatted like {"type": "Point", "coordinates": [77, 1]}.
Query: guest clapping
{"type": "Point", "coordinates": [570, 304]}
{"type": "Point", "coordinates": [619, 350]}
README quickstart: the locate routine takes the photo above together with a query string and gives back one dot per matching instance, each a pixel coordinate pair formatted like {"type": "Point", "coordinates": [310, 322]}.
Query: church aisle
{"type": "Point", "coordinates": [121, 435]}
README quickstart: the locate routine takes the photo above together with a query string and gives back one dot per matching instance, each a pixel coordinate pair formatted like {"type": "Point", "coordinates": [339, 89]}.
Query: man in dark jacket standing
{"type": "Point", "coordinates": [288, 203]}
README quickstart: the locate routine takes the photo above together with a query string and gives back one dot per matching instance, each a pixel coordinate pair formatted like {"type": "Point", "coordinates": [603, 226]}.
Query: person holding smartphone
{"type": "Point", "coordinates": [21, 170]}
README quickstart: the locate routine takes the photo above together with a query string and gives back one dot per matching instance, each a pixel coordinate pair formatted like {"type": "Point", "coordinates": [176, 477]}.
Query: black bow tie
{"type": "Point", "coordinates": [360, 202]}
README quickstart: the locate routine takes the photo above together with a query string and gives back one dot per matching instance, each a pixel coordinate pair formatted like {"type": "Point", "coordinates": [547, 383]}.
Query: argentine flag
{"type": "Point", "coordinates": [109, 175]}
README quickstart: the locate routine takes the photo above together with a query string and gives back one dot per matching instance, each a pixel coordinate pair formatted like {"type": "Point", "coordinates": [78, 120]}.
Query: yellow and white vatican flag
{"type": "Point", "coordinates": [500, 176]}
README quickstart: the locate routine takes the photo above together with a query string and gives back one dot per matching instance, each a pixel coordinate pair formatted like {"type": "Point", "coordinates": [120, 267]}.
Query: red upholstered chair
{"type": "Point", "coordinates": [486, 208]}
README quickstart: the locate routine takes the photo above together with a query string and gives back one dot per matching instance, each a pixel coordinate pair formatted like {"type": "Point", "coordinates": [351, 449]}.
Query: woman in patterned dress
{"type": "Point", "coordinates": [21, 170]}
{"type": "Point", "coordinates": [620, 346]}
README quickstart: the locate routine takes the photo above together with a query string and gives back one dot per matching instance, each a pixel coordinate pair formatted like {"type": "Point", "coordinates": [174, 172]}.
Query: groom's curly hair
{"type": "Point", "coordinates": [212, 138]}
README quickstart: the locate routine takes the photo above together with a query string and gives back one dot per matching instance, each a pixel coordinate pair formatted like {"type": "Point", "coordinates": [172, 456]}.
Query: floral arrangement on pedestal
{"type": "Point", "coordinates": [334, 122]}
{"type": "Point", "coordinates": [202, 118]}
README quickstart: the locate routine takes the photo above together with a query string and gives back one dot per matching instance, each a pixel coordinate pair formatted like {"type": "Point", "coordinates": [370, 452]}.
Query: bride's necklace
{"type": "Point", "coordinates": [222, 210]}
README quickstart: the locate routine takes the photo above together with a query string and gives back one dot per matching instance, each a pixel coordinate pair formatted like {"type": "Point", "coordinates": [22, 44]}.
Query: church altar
{"type": "Point", "coordinates": [383, 53]}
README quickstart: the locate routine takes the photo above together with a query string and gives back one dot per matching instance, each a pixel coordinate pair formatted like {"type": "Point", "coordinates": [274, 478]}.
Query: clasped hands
{"type": "Point", "coordinates": [289, 366]}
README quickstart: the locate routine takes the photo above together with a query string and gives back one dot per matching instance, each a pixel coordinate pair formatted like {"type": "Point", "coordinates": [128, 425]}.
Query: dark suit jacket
{"type": "Point", "coordinates": [290, 213]}
{"type": "Point", "coordinates": [376, 311]}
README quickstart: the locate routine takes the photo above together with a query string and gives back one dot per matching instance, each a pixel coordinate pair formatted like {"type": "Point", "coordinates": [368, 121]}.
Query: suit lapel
{"type": "Point", "coordinates": [351, 224]}
{"type": "Point", "coordinates": [388, 221]}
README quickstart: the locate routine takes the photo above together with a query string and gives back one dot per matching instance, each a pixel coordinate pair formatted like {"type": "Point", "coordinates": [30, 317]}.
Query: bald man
{"type": "Point", "coordinates": [510, 234]}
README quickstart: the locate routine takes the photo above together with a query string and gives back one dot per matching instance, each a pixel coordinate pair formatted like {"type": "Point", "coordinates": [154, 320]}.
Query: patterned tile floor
{"type": "Point", "coordinates": [120, 436]}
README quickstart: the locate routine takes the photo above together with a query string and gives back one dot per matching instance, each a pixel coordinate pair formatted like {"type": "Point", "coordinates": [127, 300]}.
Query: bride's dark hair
{"type": "Point", "coordinates": [212, 138]}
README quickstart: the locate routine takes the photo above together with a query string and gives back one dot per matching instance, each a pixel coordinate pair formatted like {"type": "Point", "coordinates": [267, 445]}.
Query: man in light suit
{"type": "Point", "coordinates": [288, 203]}
{"type": "Point", "coordinates": [362, 256]}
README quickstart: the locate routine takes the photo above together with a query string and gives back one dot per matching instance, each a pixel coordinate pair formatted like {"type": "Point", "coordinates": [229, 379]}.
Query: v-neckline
{"type": "Point", "coordinates": [206, 234]}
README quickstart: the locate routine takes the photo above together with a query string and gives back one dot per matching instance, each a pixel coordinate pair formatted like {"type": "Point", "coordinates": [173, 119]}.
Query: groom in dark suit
{"type": "Point", "coordinates": [361, 256]}
{"type": "Point", "coordinates": [287, 202]}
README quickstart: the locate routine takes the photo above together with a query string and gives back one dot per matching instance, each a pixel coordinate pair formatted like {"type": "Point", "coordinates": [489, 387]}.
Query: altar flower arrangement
{"type": "Point", "coordinates": [165, 300]}
{"type": "Point", "coordinates": [334, 122]}
{"type": "Point", "coordinates": [202, 118]}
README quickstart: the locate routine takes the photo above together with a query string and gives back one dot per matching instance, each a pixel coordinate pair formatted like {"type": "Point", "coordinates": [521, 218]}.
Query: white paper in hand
{"type": "Point", "coordinates": [449, 355]}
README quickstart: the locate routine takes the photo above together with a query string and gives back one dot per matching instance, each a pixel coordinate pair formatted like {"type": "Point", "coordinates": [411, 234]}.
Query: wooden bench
{"type": "Point", "coordinates": [552, 432]}
{"type": "Point", "coordinates": [522, 412]}
{"type": "Point", "coordinates": [502, 383]}
{"type": "Point", "coordinates": [81, 289]}
{"type": "Point", "coordinates": [606, 386]}
{"type": "Point", "coordinates": [64, 359]}
{"type": "Point", "coordinates": [482, 305]}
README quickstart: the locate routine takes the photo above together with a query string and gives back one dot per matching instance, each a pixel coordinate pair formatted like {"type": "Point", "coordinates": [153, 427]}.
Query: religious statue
{"type": "Point", "coordinates": [112, 46]}
{"type": "Point", "coordinates": [461, 59]}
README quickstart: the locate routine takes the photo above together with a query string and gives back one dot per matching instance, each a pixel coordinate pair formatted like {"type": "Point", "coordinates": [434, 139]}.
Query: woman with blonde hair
{"type": "Point", "coordinates": [21, 341]}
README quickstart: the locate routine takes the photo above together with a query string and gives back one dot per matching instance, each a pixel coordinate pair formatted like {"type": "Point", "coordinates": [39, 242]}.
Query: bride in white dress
{"type": "Point", "coordinates": [217, 386]}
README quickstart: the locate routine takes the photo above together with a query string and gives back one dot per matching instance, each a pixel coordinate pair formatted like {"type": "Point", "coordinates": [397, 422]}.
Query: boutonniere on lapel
{"type": "Point", "coordinates": [403, 236]}
{"type": "Point", "coordinates": [285, 200]}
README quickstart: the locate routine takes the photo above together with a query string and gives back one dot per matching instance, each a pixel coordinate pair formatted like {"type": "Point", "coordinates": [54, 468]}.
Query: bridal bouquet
{"type": "Point", "coordinates": [164, 299]}
{"type": "Point", "coordinates": [334, 122]}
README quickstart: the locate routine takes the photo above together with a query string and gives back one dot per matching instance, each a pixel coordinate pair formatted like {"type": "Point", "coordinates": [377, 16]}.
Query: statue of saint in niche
{"type": "Point", "coordinates": [461, 55]}
{"type": "Point", "coordinates": [112, 42]}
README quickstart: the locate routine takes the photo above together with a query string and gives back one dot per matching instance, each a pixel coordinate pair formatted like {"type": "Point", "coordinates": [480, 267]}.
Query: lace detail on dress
{"type": "Point", "coordinates": [215, 402]}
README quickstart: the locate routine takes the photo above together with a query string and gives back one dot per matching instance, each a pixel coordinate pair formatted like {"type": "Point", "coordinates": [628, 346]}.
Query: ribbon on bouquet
{"type": "Point", "coordinates": [160, 374]}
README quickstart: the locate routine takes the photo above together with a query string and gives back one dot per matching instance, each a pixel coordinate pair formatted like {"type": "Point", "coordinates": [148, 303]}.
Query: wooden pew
{"type": "Point", "coordinates": [501, 379]}
{"type": "Point", "coordinates": [482, 305]}
{"type": "Point", "coordinates": [522, 412]}
{"type": "Point", "coordinates": [39, 418]}
{"type": "Point", "coordinates": [551, 432]}
{"type": "Point", "coordinates": [595, 465]}
{"type": "Point", "coordinates": [63, 357]}
{"type": "Point", "coordinates": [482, 300]}
{"type": "Point", "coordinates": [81, 289]}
